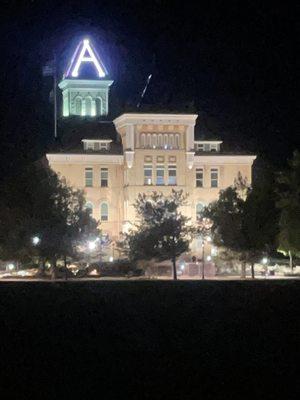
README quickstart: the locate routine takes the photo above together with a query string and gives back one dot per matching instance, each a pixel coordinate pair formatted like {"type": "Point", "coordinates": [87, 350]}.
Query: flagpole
{"type": "Point", "coordinates": [54, 95]}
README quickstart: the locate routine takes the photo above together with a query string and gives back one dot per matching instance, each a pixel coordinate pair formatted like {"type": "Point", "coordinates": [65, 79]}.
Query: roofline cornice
{"type": "Point", "coordinates": [224, 159]}
{"type": "Point", "coordinates": [137, 118]}
{"type": "Point", "coordinates": [67, 158]}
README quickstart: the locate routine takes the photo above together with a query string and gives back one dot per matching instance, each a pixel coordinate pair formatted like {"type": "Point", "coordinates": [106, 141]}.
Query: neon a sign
{"type": "Point", "coordinates": [85, 53]}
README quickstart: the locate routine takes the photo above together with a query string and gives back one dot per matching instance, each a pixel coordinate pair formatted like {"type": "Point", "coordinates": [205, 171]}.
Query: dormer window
{"type": "Point", "coordinates": [208, 146]}
{"type": "Point", "coordinates": [96, 145]}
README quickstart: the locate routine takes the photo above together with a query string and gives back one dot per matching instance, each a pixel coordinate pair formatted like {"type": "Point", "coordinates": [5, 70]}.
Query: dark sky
{"type": "Point", "coordinates": [232, 62]}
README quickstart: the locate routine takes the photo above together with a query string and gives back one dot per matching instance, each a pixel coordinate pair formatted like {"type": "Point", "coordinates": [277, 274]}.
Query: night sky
{"type": "Point", "coordinates": [234, 63]}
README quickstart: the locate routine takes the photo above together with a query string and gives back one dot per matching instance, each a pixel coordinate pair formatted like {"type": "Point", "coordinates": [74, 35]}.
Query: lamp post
{"type": "Point", "coordinates": [203, 266]}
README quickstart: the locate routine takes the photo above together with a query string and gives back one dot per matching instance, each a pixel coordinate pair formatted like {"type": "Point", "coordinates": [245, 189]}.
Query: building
{"type": "Point", "coordinates": [113, 161]}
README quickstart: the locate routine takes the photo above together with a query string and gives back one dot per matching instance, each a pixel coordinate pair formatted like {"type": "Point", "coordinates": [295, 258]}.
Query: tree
{"type": "Point", "coordinates": [246, 222]}
{"type": "Point", "coordinates": [289, 207]}
{"type": "Point", "coordinates": [162, 231]}
{"type": "Point", "coordinates": [37, 203]}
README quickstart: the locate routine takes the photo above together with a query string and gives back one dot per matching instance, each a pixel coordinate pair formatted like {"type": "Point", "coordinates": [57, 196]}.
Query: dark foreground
{"type": "Point", "coordinates": [149, 340]}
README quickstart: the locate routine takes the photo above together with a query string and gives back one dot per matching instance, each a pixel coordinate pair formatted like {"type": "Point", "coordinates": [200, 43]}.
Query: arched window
{"type": "Point", "coordinates": [78, 106]}
{"type": "Point", "coordinates": [89, 206]}
{"type": "Point", "coordinates": [199, 208]}
{"type": "Point", "coordinates": [166, 141]}
{"type": "Point", "coordinates": [88, 106]}
{"type": "Point", "coordinates": [142, 140]}
{"type": "Point", "coordinates": [148, 140]}
{"type": "Point", "coordinates": [171, 141]}
{"type": "Point", "coordinates": [104, 212]}
{"type": "Point", "coordinates": [154, 140]}
{"type": "Point", "coordinates": [177, 141]}
{"type": "Point", "coordinates": [160, 141]}
{"type": "Point", "coordinates": [98, 103]}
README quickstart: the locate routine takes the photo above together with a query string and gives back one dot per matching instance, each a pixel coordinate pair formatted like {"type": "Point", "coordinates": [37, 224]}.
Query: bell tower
{"type": "Point", "coordinates": [85, 87]}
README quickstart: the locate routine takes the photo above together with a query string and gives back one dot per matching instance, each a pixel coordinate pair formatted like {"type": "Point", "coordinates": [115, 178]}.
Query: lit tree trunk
{"type": "Point", "coordinates": [53, 272]}
{"type": "Point", "coordinates": [243, 270]}
{"type": "Point", "coordinates": [252, 270]}
{"type": "Point", "coordinates": [42, 263]}
{"type": "Point", "coordinates": [291, 260]}
{"type": "Point", "coordinates": [174, 268]}
{"type": "Point", "coordinates": [65, 267]}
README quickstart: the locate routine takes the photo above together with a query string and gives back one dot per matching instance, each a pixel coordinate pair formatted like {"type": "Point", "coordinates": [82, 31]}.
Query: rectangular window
{"type": "Point", "coordinates": [103, 146]}
{"type": "Point", "coordinates": [214, 177]}
{"type": "Point", "coordinates": [172, 175]}
{"type": "Point", "coordinates": [160, 175]}
{"type": "Point", "coordinates": [89, 145]}
{"type": "Point", "coordinates": [200, 146]}
{"type": "Point", "coordinates": [207, 147]}
{"type": "Point", "coordinates": [89, 177]}
{"type": "Point", "coordinates": [199, 177]}
{"type": "Point", "coordinates": [147, 174]}
{"type": "Point", "coordinates": [104, 177]}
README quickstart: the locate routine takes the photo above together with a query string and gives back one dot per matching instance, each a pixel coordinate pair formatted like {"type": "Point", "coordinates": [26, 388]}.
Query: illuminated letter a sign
{"type": "Point", "coordinates": [87, 55]}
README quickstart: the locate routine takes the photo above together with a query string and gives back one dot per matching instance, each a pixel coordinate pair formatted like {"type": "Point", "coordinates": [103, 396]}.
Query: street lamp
{"type": "Point", "coordinates": [92, 245]}
{"type": "Point", "coordinates": [35, 240]}
{"type": "Point", "coordinates": [10, 266]}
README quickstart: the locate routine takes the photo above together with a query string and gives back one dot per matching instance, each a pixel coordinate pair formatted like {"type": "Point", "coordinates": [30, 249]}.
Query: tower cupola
{"type": "Point", "coordinates": [85, 87]}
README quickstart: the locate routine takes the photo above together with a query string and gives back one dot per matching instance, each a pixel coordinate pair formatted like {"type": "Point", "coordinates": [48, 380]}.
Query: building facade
{"type": "Point", "coordinates": [136, 153]}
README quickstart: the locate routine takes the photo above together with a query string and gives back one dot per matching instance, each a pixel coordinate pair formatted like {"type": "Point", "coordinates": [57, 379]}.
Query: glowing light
{"type": "Point", "coordinates": [92, 245]}
{"type": "Point", "coordinates": [264, 260]}
{"type": "Point", "coordinates": [111, 259]}
{"type": "Point", "coordinates": [208, 238]}
{"type": "Point", "coordinates": [10, 267]}
{"type": "Point", "coordinates": [208, 258]}
{"type": "Point", "coordinates": [35, 240]}
{"type": "Point", "coordinates": [87, 55]}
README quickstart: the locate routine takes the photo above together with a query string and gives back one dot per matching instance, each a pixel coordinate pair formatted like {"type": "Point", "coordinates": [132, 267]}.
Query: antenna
{"type": "Point", "coordinates": [144, 91]}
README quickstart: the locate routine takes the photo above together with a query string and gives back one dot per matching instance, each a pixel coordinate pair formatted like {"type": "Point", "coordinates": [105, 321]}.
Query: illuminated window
{"type": "Point", "coordinates": [172, 179]}
{"type": "Point", "coordinates": [78, 106]}
{"type": "Point", "coordinates": [89, 177]}
{"type": "Point", "coordinates": [148, 174]}
{"type": "Point", "coordinates": [199, 177]}
{"type": "Point", "coordinates": [171, 141]}
{"type": "Point", "coordinates": [214, 177]}
{"type": "Point", "coordinates": [165, 141]}
{"type": "Point", "coordinates": [154, 141]}
{"type": "Point", "coordinates": [160, 175]}
{"type": "Point", "coordinates": [160, 141]}
{"type": "Point", "coordinates": [89, 206]}
{"type": "Point", "coordinates": [104, 177]}
{"type": "Point", "coordinates": [104, 212]}
{"type": "Point", "coordinates": [88, 106]}
{"type": "Point", "coordinates": [98, 104]}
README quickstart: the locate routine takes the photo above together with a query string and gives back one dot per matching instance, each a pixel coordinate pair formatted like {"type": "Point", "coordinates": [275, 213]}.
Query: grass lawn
{"type": "Point", "coordinates": [149, 340]}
